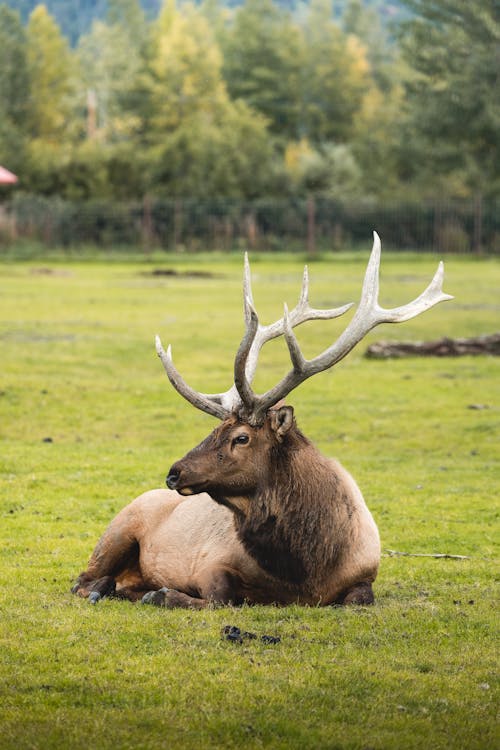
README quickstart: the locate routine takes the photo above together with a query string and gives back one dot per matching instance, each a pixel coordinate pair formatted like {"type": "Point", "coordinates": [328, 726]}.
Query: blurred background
{"type": "Point", "coordinates": [262, 125]}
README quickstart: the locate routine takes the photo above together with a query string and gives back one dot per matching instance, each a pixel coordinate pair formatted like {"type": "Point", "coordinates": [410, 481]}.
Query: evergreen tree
{"type": "Point", "coordinates": [263, 58]}
{"type": "Point", "coordinates": [14, 91]}
{"type": "Point", "coordinates": [454, 109]}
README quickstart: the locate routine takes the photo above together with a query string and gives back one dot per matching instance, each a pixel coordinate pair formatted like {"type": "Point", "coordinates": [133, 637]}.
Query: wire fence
{"type": "Point", "coordinates": [264, 225]}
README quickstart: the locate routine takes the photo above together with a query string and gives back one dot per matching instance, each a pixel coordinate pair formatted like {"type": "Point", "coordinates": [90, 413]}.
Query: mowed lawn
{"type": "Point", "coordinates": [88, 421]}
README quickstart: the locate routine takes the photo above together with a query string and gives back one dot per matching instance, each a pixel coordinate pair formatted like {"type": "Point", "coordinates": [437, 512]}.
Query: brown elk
{"type": "Point", "coordinates": [254, 513]}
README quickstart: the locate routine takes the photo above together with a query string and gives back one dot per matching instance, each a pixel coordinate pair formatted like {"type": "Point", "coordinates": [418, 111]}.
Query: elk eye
{"type": "Point", "coordinates": [241, 440]}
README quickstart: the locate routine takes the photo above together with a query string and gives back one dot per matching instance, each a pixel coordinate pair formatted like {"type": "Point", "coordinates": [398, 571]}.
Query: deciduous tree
{"type": "Point", "coordinates": [113, 59]}
{"type": "Point", "coordinates": [52, 78]}
{"type": "Point", "coordinates": [336, 77]}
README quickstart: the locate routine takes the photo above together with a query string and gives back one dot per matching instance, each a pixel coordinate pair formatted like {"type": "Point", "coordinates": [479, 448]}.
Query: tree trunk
{"type": "Point", "coordinates": [478, 224]}
{"type": "Point", "coordinates": [311, 227]}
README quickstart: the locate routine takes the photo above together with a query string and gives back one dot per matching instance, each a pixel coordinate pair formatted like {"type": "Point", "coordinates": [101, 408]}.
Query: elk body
{"type": "Point", "coordinates": [255, 512]}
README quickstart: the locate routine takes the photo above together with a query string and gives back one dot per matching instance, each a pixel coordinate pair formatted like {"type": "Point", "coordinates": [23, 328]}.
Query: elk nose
{"type": "Point", "coordinates": [173, 478]}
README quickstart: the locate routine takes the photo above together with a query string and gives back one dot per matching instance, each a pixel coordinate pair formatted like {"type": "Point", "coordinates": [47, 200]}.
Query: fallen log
{"type": "Point", "coordinates": [445, 347]}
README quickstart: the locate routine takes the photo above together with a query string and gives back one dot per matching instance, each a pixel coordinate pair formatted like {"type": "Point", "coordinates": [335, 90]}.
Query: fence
{"type": "Point", "coordinates": [266, 225]}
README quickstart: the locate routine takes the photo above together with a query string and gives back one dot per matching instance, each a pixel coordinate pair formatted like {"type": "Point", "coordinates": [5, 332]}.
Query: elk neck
{"type": "Point", "coordinates": [300, 497]}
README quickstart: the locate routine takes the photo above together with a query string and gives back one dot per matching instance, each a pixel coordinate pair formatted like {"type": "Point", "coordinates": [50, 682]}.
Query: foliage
{"type": "Point", "coordinates": [452, 47]}
{"type": "Point", "coordinates": [221, 154]}
{"type": "Point", "coordinates": [14, 79]}
{"type": "Point", "coordinates": [52, 78]}
{"type": "Point", "coordinates": [335, 77]}
{"type": "Point", "coordinates": [185, 71]}
{"type": "Point", "coordinates": [76, 18]}
{"type": "Point", "coordinates": [112, 58]}
{"type": "Point", "coordinates": [88, 419]}
{"type": "Point", "coordinates": [263, 64]}
{"type": "Point", "coordinates": [185, 223]}
{"type": "Point", "coordinates": [162, 89]}
{"type": "Point", "coordinates": [329, 171]}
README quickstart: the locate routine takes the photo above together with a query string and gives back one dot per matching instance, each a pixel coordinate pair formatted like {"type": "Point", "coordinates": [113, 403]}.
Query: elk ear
{"type": "Point", "coordinates": [281, 420]}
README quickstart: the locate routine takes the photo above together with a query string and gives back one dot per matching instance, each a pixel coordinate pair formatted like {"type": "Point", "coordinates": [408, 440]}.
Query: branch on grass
{"type": "Point", "coordinates": [444, 347]}
{"type": "Point", "coordinates": [395, 553]}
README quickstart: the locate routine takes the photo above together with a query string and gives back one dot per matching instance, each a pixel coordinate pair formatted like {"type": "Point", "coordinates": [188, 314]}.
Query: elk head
{"type": "Point", "coordinates": [232, 457]}
{"type": "Point", "coordinates": [236, 458]}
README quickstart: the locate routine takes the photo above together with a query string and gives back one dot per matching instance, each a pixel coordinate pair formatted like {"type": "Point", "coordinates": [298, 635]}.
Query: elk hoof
{"type": "Point", "coordinates": [94, 589]}
{"type": "Point", "coordinates": [157, 598]}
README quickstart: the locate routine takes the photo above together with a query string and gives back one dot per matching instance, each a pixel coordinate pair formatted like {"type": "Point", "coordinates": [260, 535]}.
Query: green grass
{"type": "Point", "coordinates": [417, 670]}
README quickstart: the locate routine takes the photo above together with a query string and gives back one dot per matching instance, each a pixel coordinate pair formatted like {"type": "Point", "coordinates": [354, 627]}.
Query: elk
{"type": "Point", "coordinates": [254, 513]}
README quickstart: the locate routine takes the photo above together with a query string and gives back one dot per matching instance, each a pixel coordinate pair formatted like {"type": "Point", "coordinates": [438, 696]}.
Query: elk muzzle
{"type": "Point", "coordinates": [175, 481]}
{"type": "Point", "coordinates": [172, 478]}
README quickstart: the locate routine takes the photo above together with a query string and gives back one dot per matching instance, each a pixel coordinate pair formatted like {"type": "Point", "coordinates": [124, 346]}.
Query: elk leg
{"type": "Point", "coordinates": [215, 586]}
{"type": "Point", "coordinates": [172, 599]}
{"type": "Point", "coordinates": [360, 593]}
{"type": "Point", "coordinates": [115, 558]}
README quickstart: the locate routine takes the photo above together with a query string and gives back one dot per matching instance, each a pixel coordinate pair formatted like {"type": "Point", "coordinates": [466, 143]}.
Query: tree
{"type": "Point", "coordinates": [336, 77]}
{"type": "Point", "coordinates": [453, 48]}
{"type": "Point", "coordinates": [364, 21]}
{"type": "Point", "coordinates": [329, 171]}
{"type": "Point", "coordinates": [112, 59]}
{"type": "Point", "coordinates": [263, 56]}
{"type": "Point", "coordinates": [227, 155]}
{"type": "Point", "coordinates": [201, 143]}
{"type": "Point", "coordinates": [377, 142]}
{"type": "Point", "coordinates": [52, 78]}
{"type": "Point", "coordinates": [14, 91]}
{"type": "Point", "coordinates": [185, 76]}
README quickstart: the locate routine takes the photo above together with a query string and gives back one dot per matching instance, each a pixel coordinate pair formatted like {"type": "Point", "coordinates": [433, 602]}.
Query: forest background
{"type": "Point", "coordinates": [357, 103]}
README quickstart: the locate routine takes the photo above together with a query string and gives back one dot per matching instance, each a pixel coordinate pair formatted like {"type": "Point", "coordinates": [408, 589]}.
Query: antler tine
{"type": "Point", "coordinates": [304, 292]}
{"type": "Point", "coordinates": [247, 290]}
{"type": "Point", "coordinates": [296, 355]}
{"type": "Point", "coordinates": [369, 292]}
{"type": "Point", "coordinates": [241, 382]}
{"type": "Point", "coordinates": [370, 307]}
{"type": "Point", "coordinates": [218, 405]}
{"type": "Point", "coordinates": [301, 313]}
{"type": "Point", "coordinates": [368, 315]}
{"type": "Point", "coordinates": [257, 335]}
{"type": "Point", "coordinates": [429, 297]}
{"type": "Point", "coordinates": [209, 404]}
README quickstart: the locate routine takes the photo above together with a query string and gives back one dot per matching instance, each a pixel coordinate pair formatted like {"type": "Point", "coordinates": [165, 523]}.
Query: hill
{"type": "Point", "coordinates": [75, 18]}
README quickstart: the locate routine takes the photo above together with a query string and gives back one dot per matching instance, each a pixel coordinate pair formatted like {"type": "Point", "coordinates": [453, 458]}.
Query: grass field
{"type": "Point", "coordinates": [88, 420]}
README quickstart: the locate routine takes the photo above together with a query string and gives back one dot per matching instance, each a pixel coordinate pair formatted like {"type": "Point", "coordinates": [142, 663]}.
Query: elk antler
{"type": "Point", "coordinates": [368, 315]}
{"type": "Point", "coordinates": [221, 404]}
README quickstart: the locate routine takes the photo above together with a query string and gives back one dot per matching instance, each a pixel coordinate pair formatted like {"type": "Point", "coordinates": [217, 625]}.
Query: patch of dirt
{"type": "Point", "coordinates": [50, 272]}
{"type": "Point", "coordinates": [172, 272]}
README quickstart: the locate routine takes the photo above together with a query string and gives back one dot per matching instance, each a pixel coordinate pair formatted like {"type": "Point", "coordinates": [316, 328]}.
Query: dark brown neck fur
{"type": "Point", "coordinates": [294, 527]}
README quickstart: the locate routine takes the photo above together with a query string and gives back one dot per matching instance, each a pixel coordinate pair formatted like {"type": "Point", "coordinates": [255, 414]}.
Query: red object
{"type": "Point", "coordinates": [6, 177]}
